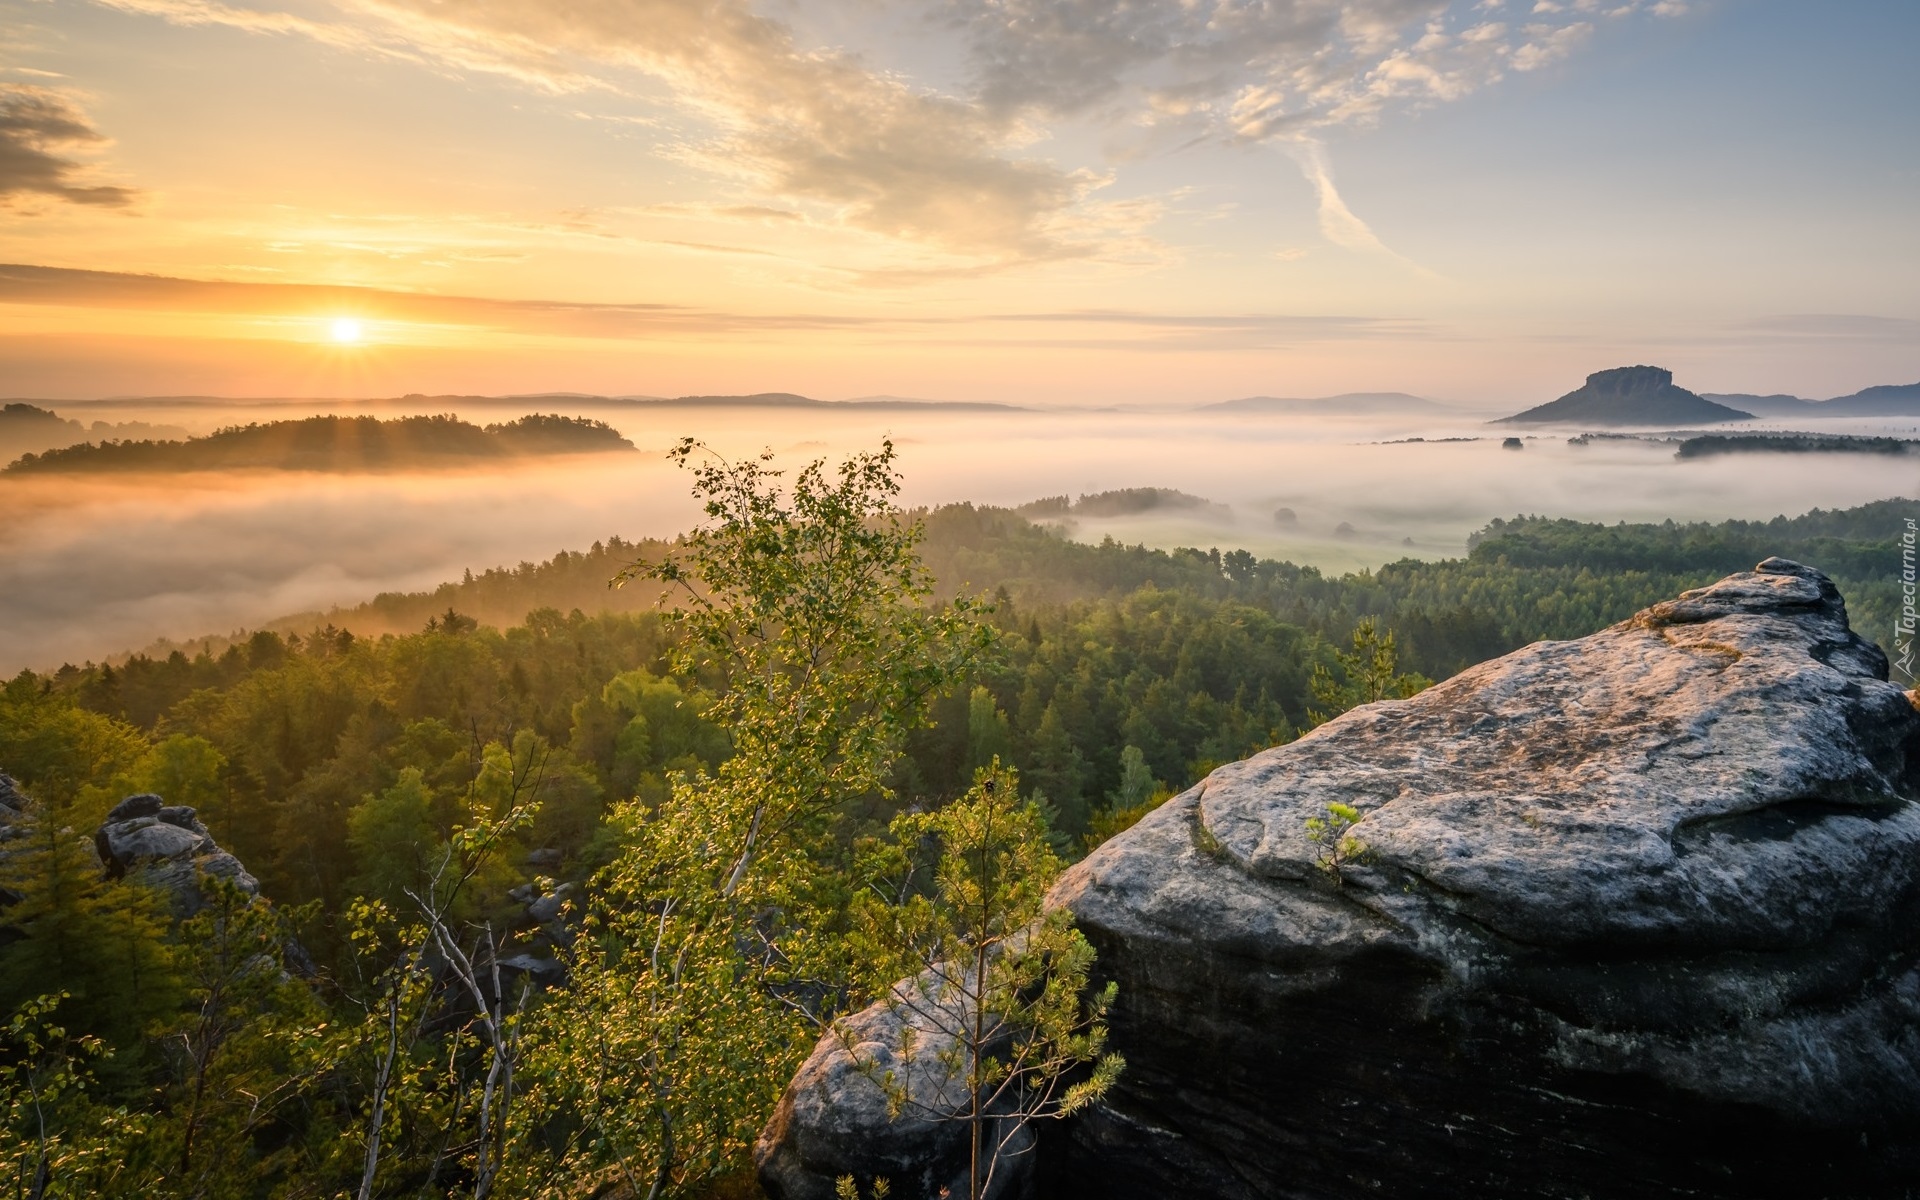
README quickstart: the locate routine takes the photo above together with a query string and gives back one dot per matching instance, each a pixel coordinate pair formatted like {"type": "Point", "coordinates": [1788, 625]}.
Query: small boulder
{"type": "Point", "coordinates": [144, 804]}
{"type": "Point", "coordinates": [182, 817]}
{"type": "Point", "coordinates": [832, 1121]}
{"type": "Point", "coordinates": [547, 909]}
{"type": "Point", "coordinates": [543, 972]}
{"type": "Point", "coordinates": [125, 844]}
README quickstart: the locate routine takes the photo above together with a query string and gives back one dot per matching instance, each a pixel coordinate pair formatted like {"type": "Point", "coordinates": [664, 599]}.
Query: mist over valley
{"type": "Point", "coordinates": [93, 565]}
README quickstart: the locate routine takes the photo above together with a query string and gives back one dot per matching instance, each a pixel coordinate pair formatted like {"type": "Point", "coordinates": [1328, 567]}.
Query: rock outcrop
{"type": "Point", "coordinates": [1639, 916]}
{"type": "Point", "coordinates": [167, 846]}
{"type": "Point", "coordinates": [13, 811]}
{"type": "Point", "coordinates": [1637, 396]}
{"type": "Point", "coordinates": [13, 804]}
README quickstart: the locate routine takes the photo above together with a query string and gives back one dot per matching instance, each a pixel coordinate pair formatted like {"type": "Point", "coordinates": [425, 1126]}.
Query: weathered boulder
{"type": "Point", "coordinates": [833, 1120]}
{"type": "Point", "coordinates": [1639, 915]}
{"type": "Point", "coordinates": [166, 845]}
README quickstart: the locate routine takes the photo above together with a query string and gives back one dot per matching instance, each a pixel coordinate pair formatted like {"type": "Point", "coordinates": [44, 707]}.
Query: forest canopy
{"type": "Point", "coordinates": [429, 771]}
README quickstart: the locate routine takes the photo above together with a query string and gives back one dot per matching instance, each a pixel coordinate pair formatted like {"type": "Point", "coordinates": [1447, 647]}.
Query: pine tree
{"type": "Point", "coordinates": [990, 990]}
{"type": "Point", "coordinates": [1368, 673]}
{"type": "Point", "coordinates": [103, 942]}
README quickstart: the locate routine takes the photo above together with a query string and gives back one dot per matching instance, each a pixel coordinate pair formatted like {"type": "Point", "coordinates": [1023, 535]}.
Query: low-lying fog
{"type": "Point", "coordinates": [90, 567]}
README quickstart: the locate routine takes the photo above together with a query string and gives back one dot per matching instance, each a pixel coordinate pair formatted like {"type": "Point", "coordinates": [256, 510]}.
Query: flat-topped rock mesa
{"type": "Point", "coordinates": [1639, 916]}
{"type": "Point", "coordinates": [1644, 396]}
{"type": "Point", "coordinates": [167, 846]}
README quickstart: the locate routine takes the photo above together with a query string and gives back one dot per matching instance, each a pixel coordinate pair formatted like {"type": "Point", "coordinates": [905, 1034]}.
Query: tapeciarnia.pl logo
{"type": "Point", "coordinates": [1903, 629]}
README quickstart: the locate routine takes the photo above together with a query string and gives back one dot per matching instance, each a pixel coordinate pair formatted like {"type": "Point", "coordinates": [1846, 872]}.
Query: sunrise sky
{"type": "Point", "coordinates": [1035, 201]}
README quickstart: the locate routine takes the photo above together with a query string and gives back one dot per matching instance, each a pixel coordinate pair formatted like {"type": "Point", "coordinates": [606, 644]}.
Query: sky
{"type": "Point", "coordinates": [1053, 202]}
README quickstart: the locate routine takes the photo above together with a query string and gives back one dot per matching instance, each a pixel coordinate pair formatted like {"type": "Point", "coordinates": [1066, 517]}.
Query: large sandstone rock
{"type": "Point", "coordinates": [166, 845]}
{"type": "Point", "coordinates": [1640, 917]}
{"type": "Point", "coordinates": [1643, 396]}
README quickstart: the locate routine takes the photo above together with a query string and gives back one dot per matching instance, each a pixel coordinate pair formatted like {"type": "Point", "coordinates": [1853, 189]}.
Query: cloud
{"type": "Point", "coordinates": [38, 128]}
{"type": "Point", "coordinates": [857, 140]}
{"type": "Point", "coordinates": [806, 125]}
{"type": "Point", "coordinates": [1246, 71]}
{"type": "Point", "coordinates": [1283, 72]}
{"type": "Point", "coordinates": [1549, 45]}
{"type": "Point", "coordinates": [803, 125]}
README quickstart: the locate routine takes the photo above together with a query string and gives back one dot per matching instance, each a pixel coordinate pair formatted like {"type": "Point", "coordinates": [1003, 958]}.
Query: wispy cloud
{"type": "Point", "coordinates": [61, 287]}
{"type": "Point", "coordinates": [1337, 222]}
{"type": "Point", "coordinates": [1848, 327]}
{"type": "Point", "coordinates": [40, 129]}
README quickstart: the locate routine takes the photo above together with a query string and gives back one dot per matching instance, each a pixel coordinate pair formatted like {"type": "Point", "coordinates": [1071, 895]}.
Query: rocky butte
{"type": "Point", "coordinates": [1638, 919]}
{"type": "Point", "coordinates": [1638, 396]}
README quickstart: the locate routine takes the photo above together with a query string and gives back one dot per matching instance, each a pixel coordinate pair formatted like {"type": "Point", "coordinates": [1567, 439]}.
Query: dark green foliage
{"type": "Point", "coordinates": [1194, 657]}
{"type": "Point", "coordinates": [101, 941]}
{"type": "Point", "coordinates": [1367, 673]}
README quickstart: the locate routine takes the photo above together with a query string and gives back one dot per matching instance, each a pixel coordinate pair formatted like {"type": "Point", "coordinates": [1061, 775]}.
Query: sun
{"type": "Point", "coordinates": [346, 330]}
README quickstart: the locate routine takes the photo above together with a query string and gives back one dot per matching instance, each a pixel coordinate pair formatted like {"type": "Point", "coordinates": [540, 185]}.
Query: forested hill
{"type": "Point", "coordinates": [342, 762]}
{"type": "Point", "coordinates": [334, 443]}
{"type": "Point", "coordinates": [27, 428]}
{"type": "Point", "coordinates": [1524, 579]}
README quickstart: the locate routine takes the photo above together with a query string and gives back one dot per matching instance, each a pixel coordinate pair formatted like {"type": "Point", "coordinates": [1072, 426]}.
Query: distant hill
{"type": "Point", "coordinates": [1888, 400]}
{"type": "Point", "coordinates": [1126, 502]}
{"type": "Point", "coordinates": [28, 428]}
{"type": "Point", "coordinates": [342, 444]}
{"type": "Point", "coordinates": [1628, 396]}
{"type": "Point", "coordinates": [1358, 403]}
{"type": "Point", "coordinates": [27, 418]}
{"type": "Point", "coordinates": [1777, 405]}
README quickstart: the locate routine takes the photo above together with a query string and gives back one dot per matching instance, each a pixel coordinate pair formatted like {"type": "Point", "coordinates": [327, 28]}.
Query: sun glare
{"type": "Point", "coordinates": [346, 330]}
